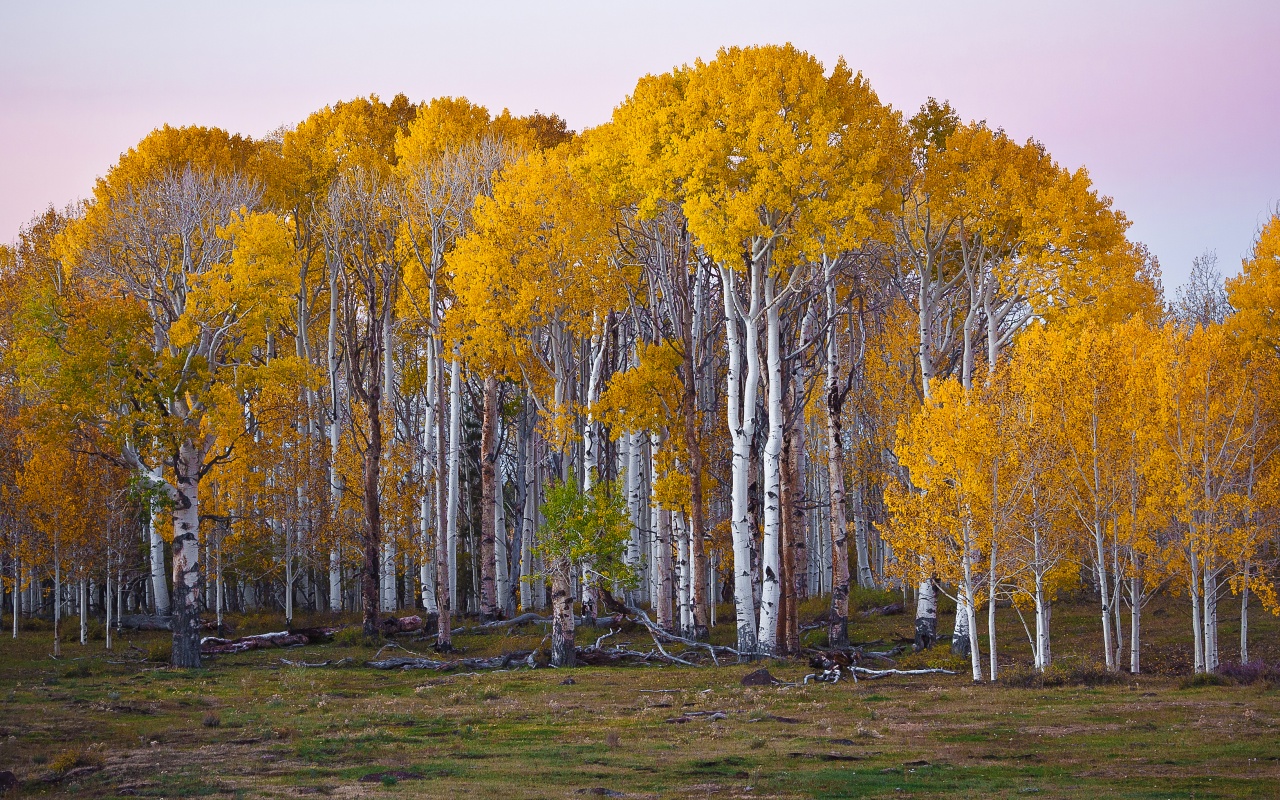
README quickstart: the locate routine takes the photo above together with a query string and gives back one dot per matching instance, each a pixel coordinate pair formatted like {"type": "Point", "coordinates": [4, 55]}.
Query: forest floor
{"type": "Point", "coordinates": [113, 724]}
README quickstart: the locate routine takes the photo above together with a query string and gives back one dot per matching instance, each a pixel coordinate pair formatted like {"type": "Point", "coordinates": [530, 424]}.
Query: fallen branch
{"type": "Point", "coordinates": [339, 663]}
{"type": "Point", "coordinates": [405, 662]}
{"type": "Point", "coordinates": [655, 632]}
{"type": "Point", "coordinates": [880, 673]}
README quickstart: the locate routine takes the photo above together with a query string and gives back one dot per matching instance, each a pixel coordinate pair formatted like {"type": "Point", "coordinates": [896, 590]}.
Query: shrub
{"type": "Point", "coordinates": [1205, 679]}
{"type": "Point", "coordinates": [939, 657]}
{"type": "Point", "coordinates": [160, 652]}
{"type": "Point", "coordinates": [1092, 674]}
{"type": "Point", "coordinates": [76, 757]}
{"type": "Point", "coordinates": [1251, 672]}
{"type": "Point", "coordinates": [354, 637]}
{"type": "Point", "coordinates": [1066, 674]}
{"type": "Point", "coordinates": [1021, 677]}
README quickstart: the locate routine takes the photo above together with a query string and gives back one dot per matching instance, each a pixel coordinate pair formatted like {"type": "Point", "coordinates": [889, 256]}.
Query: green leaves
{"type": "Point", "coordinates": [587, 528]}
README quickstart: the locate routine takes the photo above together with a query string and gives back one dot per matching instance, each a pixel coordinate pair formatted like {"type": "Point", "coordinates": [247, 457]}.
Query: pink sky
{"type": "Point", "coordinates": [1174, 107]}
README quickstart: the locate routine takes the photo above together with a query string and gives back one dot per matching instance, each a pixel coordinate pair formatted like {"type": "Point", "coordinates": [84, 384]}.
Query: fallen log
{"type": "Point", "coordinates": [880, 673]}
{"type": "Point", "coordinates": [588, 656]}
{"type": "Point", "coordinates": [411, 624]}
{"type": "Point", "coordinates": [212, 645]}
{"type": "Point", "coordinates": [145, 622]}
{"type": "Point", "coordinates": [419, 662]}
{"type": "Point", "coordinates": [883, 611]}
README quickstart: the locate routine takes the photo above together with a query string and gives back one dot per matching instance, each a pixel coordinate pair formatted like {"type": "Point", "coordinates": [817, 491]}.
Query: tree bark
{"type": "Point", "coordinates": [159, 584]}
{"type": "Point", "coordinates": [741, 403]}
{"type": "Point", "coordinates": [771, 550]}
{"type": "Point", "coordinates": [373, 517]}
{"type": "Point", "coordinates": [562, 649]}
{"type": "Point", "coordinates": [186, 558]}
{"type": "Point", "coordinates": [455, 454]}
{"type": "Point", "coordinates": [697, 516]}
{"type": "Point", "coordinates": [444, 595]}
{"type": "Point", "coordinates": [489, 608]}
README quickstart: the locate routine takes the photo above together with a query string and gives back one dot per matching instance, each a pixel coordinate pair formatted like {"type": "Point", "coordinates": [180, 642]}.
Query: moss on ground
{"type": "Point", "coordinates": [112, 724]}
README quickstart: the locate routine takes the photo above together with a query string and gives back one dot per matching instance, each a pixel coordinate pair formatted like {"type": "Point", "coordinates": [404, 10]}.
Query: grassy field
{"type": "Point", "coordinates": [113, 724]}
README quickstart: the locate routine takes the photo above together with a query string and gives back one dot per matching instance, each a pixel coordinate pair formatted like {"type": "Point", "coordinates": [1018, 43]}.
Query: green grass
{"type": "Point", "coordinates": [284, 730]}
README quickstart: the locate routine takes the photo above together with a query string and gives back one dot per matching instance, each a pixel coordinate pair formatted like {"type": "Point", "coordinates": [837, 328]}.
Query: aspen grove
{"type": "Point", "coordinates": [758, 339]}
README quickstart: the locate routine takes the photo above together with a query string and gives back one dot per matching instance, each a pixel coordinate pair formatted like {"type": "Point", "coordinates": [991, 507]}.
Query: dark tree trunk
{"type": "Point", "coordinates": [369, 577]}
{"type": "Point", "coordinates": [838, 626]}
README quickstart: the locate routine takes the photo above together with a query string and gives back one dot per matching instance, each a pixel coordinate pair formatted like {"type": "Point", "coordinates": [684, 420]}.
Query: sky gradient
{"type": "Point", "coordinates": [1173, 107]}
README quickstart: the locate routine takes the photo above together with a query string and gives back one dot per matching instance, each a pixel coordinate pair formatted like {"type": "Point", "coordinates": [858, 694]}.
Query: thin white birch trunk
{"type": "Point", "coordinates": [335, 488]}
{"type": "Point", "coordinates": [633, 554]}
{"type": "Point", "coordinates": [1244, 616]}
{"type": "Point", "coordinates": [84, 611]}
{"type": "Point", "coordinates": [770, 555]}
{"type": "Point", "coordinates": [662, 600]}
{"type": "Point", "coordinates": [740, 406]}
{"type": "Point", "coordinates": [455, 452]}
{"type": "Point", "coordinates": [684, 577]}
{"type": "Point", "coordinates": [186, 558]}
{"type": "Point", "coordinates": [17, 594]}
{"type": "Point", "coordinates": [1100, 565]}
{"type": "Point", "coordinates": [1135, 624]}
{"type": "Point", "coordinates": [159, 586]}
{"type": "Point", "coordinates": [1197, 629]}
{"type": "Point", "coordinates": [966, 563]}
{"type": "Point", "coordinates": [108, 597]}
{"type": "Point", "coordinates": [1210, 621]}
{"type": "Point", "coordinates": [502, 545]}
{"type": "Point", "coordinates": [527, 514]}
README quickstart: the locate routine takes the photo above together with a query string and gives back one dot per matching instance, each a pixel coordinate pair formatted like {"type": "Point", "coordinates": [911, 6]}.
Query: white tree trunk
{"type": "Point", "coordinates": [455, 453]}
{"type": "Point", "coordinates": [633, 554]}
{"type": "Point", "coordinates": [975, 656]}
{"type": "Point", "coordinates": [960, 633]}
{"type": "Point", "coordinates": [1100, 565]}
{"type": "Point", "coordinates": [1210, 621]}
{"type": "Point", "coordinates": [1193, 590]}
{"type": "Point", "coordinates": [1042, 630]}
{"type": "Point", "coordinates": [1135, 624]}
{"type": "Point", "coordinates": [335, 486]}
{"type": "Point", "coordinates": [83, 601]}
{"type": "Point", "coordinates": [108, 597]}
{"type": "Point", "coordinates": [17, 594]}
{"type": "Point", "coordinates": [159, 585]}
{"type": "Point", "coordinates": [502, 545]}
{"type": "Point", "coordinates": [771, 556]}
{"type": "Point", "coordinates": [662, 596]}
{"type": "Point", "coordinates": [186, 559]}
{"type": "Point", "coordinates": [684, 577]}
{"type": "Point", "coordinates": [1244, 616]}
{"type": "Point", "coordinates": [740, 404]}
{"type": "Point", "coordinates": [527, 517]}
{"type": "Point", "coordinates": [927, 612]}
